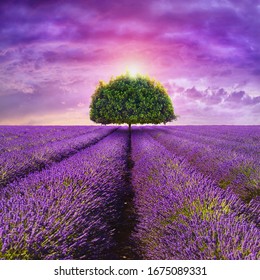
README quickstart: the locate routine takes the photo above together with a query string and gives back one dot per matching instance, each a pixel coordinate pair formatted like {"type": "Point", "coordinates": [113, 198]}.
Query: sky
{"type": "Point", "coordinates": [53, 53]}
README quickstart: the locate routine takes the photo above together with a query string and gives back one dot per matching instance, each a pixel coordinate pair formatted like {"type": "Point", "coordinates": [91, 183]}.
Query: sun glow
{"type": "Point", "coordinates": [133, 70]}
{"type": "Point", "coordinates": [132, 67]}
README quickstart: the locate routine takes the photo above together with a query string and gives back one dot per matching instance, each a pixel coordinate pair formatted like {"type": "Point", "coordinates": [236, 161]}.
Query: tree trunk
{"type": "Point", "coordinates": [129, 126]}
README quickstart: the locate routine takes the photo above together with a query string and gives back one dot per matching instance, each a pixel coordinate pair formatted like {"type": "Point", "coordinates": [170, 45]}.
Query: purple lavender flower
{"type": "Point", "coordinates": [182, 213]}
{"type": "Point", "coordinates": [69, 211]}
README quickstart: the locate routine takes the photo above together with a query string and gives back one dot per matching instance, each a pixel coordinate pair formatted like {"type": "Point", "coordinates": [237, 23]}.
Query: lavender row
{"type": "Point", "coordinates": [230, 147]}
{"type": "Point", "coordinates": [16, 164]}
{"type": "Point", "coordinates": [247, 145]}
{"type": "Point", "coordinates": [228, 167]}
{"type": "Point", "coordinates": [69, 211]}
{"type": "Point", "coordinates": [238, 172]}
{"type": "Point", "coordinates": [238, 134]}
{"type": "Point", "coordinates": [19, 138]}
{"type": "Point", "coordinates": [182, 213]}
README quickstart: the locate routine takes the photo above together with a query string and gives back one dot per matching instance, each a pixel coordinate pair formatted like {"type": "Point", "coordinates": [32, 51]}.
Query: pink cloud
{"type": "Point", "coordinates": [214, 106]}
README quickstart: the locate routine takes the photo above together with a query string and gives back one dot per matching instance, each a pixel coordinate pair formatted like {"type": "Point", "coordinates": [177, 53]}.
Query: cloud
{"type": "Point", "coordinates": [214, 105]}
{"type": "Point", "coordinates": [73, 44]}
{"type": "Point", "coordinates": [219, 96]}
{"type": "Point", "coordinates": [42, 99]}
{"type": "Point", "coordinates": [70, 55]}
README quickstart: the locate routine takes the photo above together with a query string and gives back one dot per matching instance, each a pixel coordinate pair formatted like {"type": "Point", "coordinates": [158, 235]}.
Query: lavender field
{"type": "Point", "coordinates": [105, 192]}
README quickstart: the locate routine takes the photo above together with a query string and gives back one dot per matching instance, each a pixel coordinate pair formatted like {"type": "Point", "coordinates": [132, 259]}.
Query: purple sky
{"type": "Point", "coordinates": [53, 53]}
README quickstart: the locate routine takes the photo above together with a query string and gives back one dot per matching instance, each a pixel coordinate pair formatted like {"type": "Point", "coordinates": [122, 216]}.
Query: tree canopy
{"type": "Point", "coordinates": [131, 100]}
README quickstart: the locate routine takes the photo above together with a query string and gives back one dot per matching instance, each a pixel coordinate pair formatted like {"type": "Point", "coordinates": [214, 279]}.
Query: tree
{"type": "Point", "coordinates": [131, 100]}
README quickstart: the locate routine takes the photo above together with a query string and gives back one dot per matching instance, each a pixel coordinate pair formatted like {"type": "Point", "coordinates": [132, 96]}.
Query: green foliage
{"type": "Point", "coordinates": [131, 100]}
